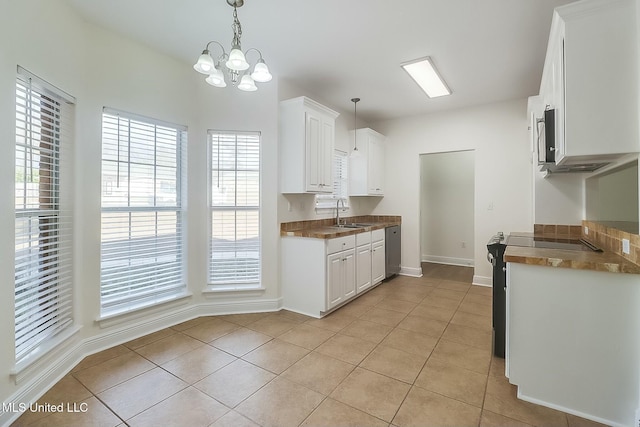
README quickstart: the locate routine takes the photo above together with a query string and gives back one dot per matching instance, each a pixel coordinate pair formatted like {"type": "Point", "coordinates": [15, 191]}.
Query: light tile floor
{"type": "Point", "coordinates": [411, 352]}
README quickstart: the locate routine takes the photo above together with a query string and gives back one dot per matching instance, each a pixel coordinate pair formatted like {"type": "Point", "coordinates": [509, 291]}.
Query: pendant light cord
{"type": "Point", "coordinates": [355, 122]}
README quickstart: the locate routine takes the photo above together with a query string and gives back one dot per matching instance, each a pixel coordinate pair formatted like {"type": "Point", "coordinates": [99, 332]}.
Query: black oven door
{"type": "Point", "coordinates": [495, 255]}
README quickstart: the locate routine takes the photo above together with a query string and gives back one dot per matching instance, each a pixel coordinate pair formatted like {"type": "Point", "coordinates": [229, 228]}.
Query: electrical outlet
{"type": "Point", "coordinates": [625, 246]}
{"type": "Point", "coordinates": [586, 231]}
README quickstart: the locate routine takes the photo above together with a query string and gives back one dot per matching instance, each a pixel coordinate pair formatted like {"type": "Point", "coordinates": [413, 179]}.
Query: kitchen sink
{"type": "Point", "coordinates": [348, 226]}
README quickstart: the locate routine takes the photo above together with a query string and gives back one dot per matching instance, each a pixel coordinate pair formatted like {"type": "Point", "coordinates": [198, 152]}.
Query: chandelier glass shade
{"type": "Point", "coordinates": [234, 64]}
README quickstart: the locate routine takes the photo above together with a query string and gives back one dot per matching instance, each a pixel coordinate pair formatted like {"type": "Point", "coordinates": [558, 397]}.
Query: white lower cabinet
{"type": "Point", "coordinates": [363, 267]}
{"type": "Point", "coordinates": [321, 274]}
{"type": "Point", "coordinates": [377, 256]}
{"type": "Point", "coordinates": [341, 277]}
{"type": "Point", "coordinates": [317, 274]}
{"type": "Point", "coordinates": [363, 261]}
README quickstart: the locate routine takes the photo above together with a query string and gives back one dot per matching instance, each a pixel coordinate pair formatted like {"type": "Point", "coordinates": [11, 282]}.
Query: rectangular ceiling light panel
{"type": "Point", "coordinates": [423, 72]}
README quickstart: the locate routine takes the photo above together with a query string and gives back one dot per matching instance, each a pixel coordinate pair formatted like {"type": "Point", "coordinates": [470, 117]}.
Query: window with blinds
{"type": "Point", "coordinates": [142, 244]}
{"type": "Point", "coordinates": [43, 214]}
{"type": "Point", "coordinates": [234, 244]}
{"type": "Point", "coordinates": [340, 183]}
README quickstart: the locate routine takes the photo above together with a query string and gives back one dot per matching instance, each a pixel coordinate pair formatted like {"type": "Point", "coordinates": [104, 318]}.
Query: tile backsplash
{"type": "Point", "coordinates": [602, 235]}
{"type": "Point", "coordinates": [558, 231]}
{"type": "Point", "coordinates": [610, 239]}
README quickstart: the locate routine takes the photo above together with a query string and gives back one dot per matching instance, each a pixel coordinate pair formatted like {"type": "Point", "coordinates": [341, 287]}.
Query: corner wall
{"type": "Point", "coordinates": [100, 68]}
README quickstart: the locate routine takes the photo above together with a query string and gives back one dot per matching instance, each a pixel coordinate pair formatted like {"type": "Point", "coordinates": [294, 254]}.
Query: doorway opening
{"type": "Point", "coordinates": [447, 199]}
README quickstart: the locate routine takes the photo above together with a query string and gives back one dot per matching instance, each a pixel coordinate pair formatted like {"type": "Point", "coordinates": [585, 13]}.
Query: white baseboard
{"type": "Point", "coordinates": [410, 271]}
{"type": "Point", "coordinates": [568, 410]}
{"type": "Point", "coordinates": [462, 262]}
{"type": "Point", "coordinates": [237, 306]}
{"type": "Point", "coordinates": [482, 280]}
{"type": "Point", "coordinates": [47, 375]}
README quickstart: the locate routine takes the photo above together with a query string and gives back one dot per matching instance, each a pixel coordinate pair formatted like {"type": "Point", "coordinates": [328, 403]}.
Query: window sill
{"type": "Point", "coordinates": [325, 210]}
{"type": "Point", "coordinates": [227, 289]}
{"type": "Point", "coordinates": [119, 316]}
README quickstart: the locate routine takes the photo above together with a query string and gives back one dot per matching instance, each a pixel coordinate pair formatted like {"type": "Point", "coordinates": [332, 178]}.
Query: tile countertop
{"type": "Point", "coordinates": [580, 260]}
{"type": "Point", "coordinates": [319, 230]}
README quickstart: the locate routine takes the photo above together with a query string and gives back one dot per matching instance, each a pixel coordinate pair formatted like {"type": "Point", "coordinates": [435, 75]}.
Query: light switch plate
{"type": "Point", "coordinates": [586, 231]}
{"type": "Point", "coordinates": [625, 246]}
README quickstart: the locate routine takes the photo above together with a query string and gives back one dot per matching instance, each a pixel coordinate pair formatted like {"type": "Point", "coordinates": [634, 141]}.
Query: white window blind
{"type": "Point", "coordinates": [142, 242]}
{"type": "Point", "coordinates": [234, 249]}
{"type": "Point", "coordinates": [340, 183]}
{"type": "Point", "coordinates": [43, 222]}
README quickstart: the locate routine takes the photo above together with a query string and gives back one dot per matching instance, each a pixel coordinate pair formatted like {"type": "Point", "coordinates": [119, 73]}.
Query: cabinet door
{"type": "Point", "coordinates": [363, 267]}
{"type": "Point", "coordinates": [377, 262]}
{"type": "Point", "coordinates": [313, 152]}
{"type": "Point", "coordinates": [325, 157]}
{"type": "Point", "coordinates": [376, 167]}
{"type": "Point", "coordinates": [335, 280]}
{"type": "Point", "coordinates": [349, 266]}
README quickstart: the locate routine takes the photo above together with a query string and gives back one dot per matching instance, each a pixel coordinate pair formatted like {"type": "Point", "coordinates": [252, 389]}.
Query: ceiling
{"type": "Point", "coordinates": [486, 50]}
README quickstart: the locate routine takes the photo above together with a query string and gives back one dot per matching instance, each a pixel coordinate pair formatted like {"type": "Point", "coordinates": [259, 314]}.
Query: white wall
{"type": "Point", "coordinates": [559, 198]}
{"type": "Point", "coordinates": [101, 69]}
{"type": "Point", "coordinates": [447, 207]}
{"type": "Point", "coordinates": [38, 49]}
{"type": "Point", "coordinates": [498, 134]}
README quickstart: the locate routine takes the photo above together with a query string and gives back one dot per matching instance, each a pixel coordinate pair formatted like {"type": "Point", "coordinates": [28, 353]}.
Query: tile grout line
{"type": "Point", "coordinates": [359, 317]}
{"type": "Point", "coordinates": [363, 359]}
{"type": "Point", "coordinates": [423, 365]}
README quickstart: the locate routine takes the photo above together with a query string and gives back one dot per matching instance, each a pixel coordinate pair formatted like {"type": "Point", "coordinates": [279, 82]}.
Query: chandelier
{"type": "Point", "coordinates": [235, 63]}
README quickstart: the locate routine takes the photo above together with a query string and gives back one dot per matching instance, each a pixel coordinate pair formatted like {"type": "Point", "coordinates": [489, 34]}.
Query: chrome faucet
{"type": "Point", "coordinates": [338, 210]}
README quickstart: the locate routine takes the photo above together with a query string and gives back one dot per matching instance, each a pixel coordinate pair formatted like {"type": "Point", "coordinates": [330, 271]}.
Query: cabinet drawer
{"type": "Point", "coordinates": [377, 235]}
{"type": "Point", "coordinates": [340, 244]}
{"type": "Point", "coordinates": [363, 238]}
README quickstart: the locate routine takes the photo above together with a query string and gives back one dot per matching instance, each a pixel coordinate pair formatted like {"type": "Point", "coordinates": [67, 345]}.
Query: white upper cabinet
{"type": "Point", "coordinates": [366, 169]}
{"type": "Point", "coordinates": [307, 138]}
{"type": "Point", "coordinates": [590, 78]}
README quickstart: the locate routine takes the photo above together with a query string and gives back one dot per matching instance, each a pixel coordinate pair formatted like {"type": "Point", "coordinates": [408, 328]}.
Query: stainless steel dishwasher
{"type": "Point", "coordinates": [392, 251]}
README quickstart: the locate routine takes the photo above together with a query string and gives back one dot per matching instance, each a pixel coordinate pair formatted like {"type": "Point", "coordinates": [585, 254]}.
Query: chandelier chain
{"type": "Point", "coordinates": [237, 28]}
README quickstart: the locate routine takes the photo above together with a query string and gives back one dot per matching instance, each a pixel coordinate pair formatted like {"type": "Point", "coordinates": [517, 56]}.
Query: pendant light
{"type": "Point", "coordinates": [355, 152]}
